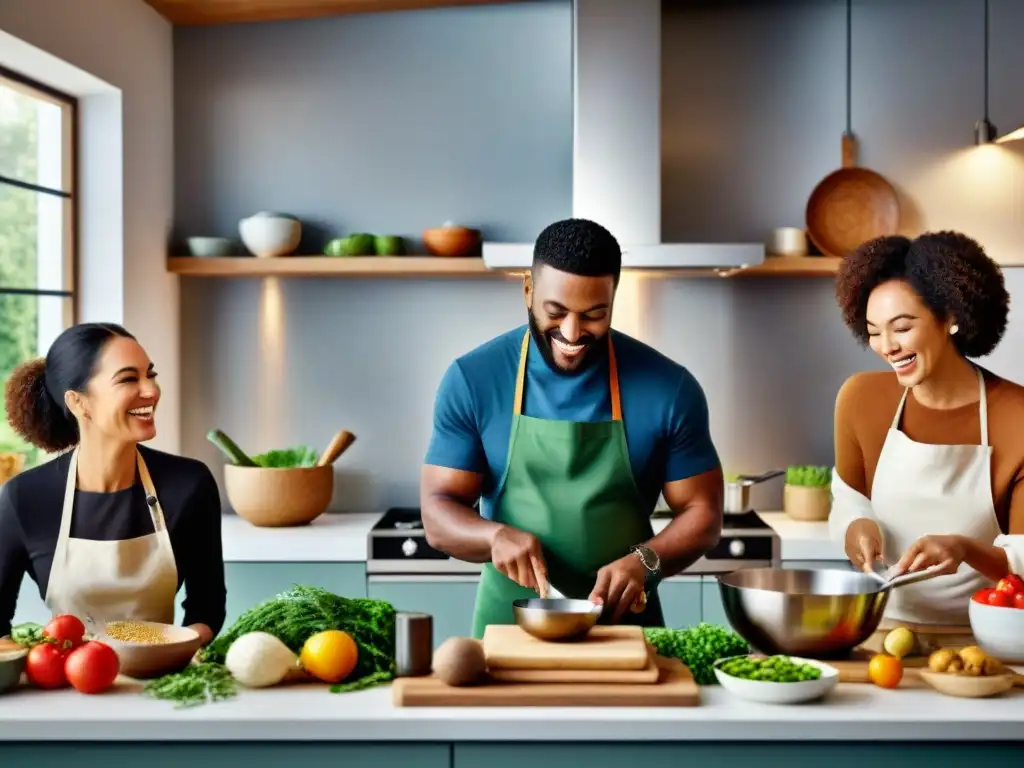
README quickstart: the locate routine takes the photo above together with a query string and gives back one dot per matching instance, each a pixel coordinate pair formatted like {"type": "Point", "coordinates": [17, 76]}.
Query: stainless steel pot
{"type": "Point", "coordinates": [737, 492]}
{"type": "Point", "coordinates": [812, 613]}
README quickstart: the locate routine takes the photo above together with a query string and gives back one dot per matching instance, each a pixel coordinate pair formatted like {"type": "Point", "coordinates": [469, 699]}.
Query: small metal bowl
{"type": "Point", "coordinates": [556, 619]}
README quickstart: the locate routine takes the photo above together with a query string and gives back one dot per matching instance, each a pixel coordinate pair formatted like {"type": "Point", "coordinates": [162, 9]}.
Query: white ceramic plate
{"type": "Point", "coordinates": [780, 693]}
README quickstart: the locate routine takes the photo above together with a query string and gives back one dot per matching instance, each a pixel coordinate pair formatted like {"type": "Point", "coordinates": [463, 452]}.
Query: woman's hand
{"type": "Point", "coordinates": [947, 552]}
{"type": "Point", "coordinates": [864, 544]}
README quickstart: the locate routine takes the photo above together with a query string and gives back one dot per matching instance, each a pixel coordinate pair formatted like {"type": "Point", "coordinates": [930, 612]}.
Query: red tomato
{"type": "Point", "coordinates": [67, 630]}
{"type": "Point", "coordinates": [982, 595]}
{"type": "Point", "coordinates": [1011, 585]}
{"type": "Point", "coordinates": [92, 667]}
{"type": "Point", "coordinates": [44, 666]}
{"type": "Point", "coordinates": [999, 599]}
{"type": "Point", "coordinates": [1018, 600]}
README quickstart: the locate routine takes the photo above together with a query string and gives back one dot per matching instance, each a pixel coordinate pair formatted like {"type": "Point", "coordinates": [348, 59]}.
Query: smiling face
{"type": "Point", "coordinates": [905, 332]}
{"type": "Point", "coordinates": [569, 315]}
{"type": "Point", "coordinates": [121, 398]}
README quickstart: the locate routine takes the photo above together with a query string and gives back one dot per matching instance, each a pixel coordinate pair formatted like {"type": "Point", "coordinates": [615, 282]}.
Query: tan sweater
{"type": "Point", "coordinates": [865, 408]}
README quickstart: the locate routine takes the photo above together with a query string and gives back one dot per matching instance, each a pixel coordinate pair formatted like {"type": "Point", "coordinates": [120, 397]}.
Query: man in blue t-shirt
{"type": "Point", "coordinates": [566, 432]}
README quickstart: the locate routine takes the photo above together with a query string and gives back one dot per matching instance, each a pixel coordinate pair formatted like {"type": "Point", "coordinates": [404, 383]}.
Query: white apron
{"type": "Point", "coordinates": [113, 580]}
{"type": "Point", "coordinates": [922, 490]}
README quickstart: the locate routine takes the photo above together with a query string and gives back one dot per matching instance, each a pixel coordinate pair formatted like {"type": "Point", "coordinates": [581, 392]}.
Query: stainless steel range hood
{"type": "Point", "coordinates": [617, 144]}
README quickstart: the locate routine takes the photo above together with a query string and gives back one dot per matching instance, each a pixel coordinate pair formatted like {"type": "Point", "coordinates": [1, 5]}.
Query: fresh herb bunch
{"type": "Point", "coordinates": [302, 611]}
{"type": "Point", "coordinates": [808, 476]}
{"type": "Point", "coordinates": [697, 647]}
{"type": "Point", "coordinates": [288, 458]}
{"type": "Point", "coordinates": [28, 634]}
{"type": "Point", "coordinates": [194, 685]}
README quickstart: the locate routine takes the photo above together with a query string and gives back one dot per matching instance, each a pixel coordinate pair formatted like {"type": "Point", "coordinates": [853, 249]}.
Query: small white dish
{"type": "Point", "coordinates": [766, 692]}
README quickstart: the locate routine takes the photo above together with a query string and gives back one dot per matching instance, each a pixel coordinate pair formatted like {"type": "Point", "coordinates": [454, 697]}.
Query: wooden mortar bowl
{"type": "Point", "coordinates": [279, 498]}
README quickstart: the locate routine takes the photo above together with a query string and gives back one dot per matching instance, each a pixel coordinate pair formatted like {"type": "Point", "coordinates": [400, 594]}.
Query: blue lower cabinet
{"type": "Point", "coordinates": [680, 601]}
{"type": "Point", "coordinates": [712, 610]}
{"type": "Point", "coordinates": [251, 583]}
{"type": "Point", "coordinates": [30, 607]}
{"type": "Point", "coordinates": [251, 755]}
{"type": "Point", "coordinates": [735, 755]}
{"type": "Point", "coordinates": [449, 599]}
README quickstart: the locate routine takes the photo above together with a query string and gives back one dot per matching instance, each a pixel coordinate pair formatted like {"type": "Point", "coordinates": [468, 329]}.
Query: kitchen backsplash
{"type": "Point", "coordinates": [400, 121]}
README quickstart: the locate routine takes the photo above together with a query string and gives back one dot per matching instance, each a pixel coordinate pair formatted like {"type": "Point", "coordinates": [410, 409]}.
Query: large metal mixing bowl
{"type": "Point", "coordinates": [813, 613]}
{"type": "Point", "coordinates": [556, 619]}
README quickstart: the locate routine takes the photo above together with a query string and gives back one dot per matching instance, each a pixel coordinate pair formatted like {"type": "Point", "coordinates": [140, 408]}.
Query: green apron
{"type": "Point", "coordinates": [570, 484]}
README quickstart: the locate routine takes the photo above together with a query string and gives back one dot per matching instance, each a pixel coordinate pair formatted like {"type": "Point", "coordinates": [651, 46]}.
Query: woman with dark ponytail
{"type": "Point", "coordinates": [89, 527]}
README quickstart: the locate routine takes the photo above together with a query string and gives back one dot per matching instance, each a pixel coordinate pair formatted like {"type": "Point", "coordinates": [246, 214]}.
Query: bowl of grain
{"type": "Point", "coordinates": [149, 649]}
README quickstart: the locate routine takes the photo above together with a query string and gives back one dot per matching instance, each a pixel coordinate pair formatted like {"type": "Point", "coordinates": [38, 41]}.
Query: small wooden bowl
{"type": "Point", "coordinates": [143, 661]}
{"type": "Point", "coordinates": [279, 498]}
{"type": "Point", "coordinates": [968, 686]}
{"type": "Point", "coordinates": [451, 241]}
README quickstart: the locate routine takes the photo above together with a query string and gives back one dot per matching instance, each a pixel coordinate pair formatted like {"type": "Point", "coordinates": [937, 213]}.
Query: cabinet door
{"type": "Point", "coordinates": [680, 601]}
{"type": "Point", "coordinates": [30, 607]}
{"type": "Point", "coordinates": [712, 610]}
{"type": "Point", "coordinates": [249, 584]}
{"type": "Point", "coordinates": [448, 599]}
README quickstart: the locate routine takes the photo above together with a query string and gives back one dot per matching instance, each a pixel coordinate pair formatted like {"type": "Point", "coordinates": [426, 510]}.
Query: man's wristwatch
{"type": "Point", "coordinates": [650, 561]}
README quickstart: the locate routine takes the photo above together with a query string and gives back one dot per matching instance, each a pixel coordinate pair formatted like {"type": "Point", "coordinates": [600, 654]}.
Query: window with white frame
{"type": "Point", "coordinates": [37, 229]}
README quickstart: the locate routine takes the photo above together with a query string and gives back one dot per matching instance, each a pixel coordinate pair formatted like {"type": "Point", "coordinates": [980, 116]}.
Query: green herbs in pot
{"type": "Point", "coordinates": [808, 476]}
{"type": "Point", "coordinates": [697, 647]}
{"type": "Point", "coordinates": [288, 458]}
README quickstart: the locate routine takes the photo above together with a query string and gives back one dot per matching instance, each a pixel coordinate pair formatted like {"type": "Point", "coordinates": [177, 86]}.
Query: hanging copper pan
{"type": "Point", "coordinates": [851, 205]}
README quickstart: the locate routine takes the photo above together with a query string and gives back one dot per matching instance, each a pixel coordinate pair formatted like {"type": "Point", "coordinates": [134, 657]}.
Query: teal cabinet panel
{"type": "Point", "coordinates": [712, 610]}
{"type": "Point", "coordinates": [449, 599]}
{"type": "Point", "coordinates": [30, 605]}
{"type": "Point", "coordinates": [251, 755]}
{"type": "Point", "coordinates": [251, 583]}
{"type": "Point", "coordinates": [734, 755]}
{"type": "Point", "coordinates": [680, 601]}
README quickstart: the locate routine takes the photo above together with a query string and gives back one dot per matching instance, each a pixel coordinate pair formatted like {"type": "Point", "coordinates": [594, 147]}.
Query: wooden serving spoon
{"type": "Point", "coordinates": [341, 443]}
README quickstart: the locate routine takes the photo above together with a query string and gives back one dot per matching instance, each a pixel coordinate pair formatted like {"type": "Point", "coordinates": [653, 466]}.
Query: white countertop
{"type": "Point", "coordinates": [803, 541]}
{"type": "Point", "coordinates": [340, 537]}
{"type": "Point", "coordinates": [312, 713]}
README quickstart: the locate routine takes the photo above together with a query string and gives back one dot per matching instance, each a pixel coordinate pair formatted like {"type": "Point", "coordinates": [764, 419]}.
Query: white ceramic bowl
{"type": "Point", "coordinates": [268, 235]}
{"type": "Point", "coordinates": [780, 693]}
{"type": "Point", "coordinates": [999, 631]}
{"type": "Point", "coordinates": [209, 246]}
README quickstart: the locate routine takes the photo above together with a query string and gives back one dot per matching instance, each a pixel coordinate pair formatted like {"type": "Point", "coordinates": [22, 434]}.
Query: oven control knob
{"type": "Point", "coordinates": [736, 548]}
{"type": "Point", "coordinates": [409, 547]}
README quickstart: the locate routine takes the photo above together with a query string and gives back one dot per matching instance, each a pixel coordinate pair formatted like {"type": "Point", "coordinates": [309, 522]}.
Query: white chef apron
{"type": "Point", "coordinates": [922, 490]}
{"type": "Point", "coordinates": [113, 580]}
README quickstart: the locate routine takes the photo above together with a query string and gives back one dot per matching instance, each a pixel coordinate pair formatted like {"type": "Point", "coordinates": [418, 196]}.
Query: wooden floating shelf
{"type": "Point", "coordinates": [437, 266]}
{"type": "Point", "coordinates": [201, 12]}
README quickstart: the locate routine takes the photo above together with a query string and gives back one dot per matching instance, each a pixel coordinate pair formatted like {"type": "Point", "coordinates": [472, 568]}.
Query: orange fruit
{"type": "Point", "coordinates": [329, 656]}
{"type": "Point", "coordinates": [885, 671]}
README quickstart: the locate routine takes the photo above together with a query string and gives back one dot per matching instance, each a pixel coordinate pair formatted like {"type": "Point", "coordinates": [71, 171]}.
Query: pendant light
{"type": "Point", "coordinates": [984, 131]}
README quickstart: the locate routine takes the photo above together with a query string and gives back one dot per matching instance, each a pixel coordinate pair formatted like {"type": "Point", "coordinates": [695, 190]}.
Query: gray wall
{"type": "Point", "coordinates": [400, 121]}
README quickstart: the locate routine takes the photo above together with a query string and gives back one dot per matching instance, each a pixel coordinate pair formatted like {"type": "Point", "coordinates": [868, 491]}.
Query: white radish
{"type": "Point", "coordinates": [258, 660]}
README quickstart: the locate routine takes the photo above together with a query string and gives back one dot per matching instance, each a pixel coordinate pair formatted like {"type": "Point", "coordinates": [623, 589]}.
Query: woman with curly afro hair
{"type": "Point", "coordinates": [930, 454]}
{"type": "Point", "coordinates": [108, 529]}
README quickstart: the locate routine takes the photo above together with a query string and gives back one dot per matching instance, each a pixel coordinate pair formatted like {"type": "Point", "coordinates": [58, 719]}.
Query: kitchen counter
{"type": "Point", "coordinates": [312, 713]}
{"type": "Point", "coordinates": [340, 537]}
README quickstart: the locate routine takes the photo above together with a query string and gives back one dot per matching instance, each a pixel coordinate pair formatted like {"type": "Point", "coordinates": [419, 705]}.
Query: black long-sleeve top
{"type": "Point", "coordinates": [30, 511]}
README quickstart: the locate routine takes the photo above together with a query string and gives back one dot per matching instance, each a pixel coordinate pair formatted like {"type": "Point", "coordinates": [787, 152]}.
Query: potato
{"type": "Point", "coordinates": [460, 661]}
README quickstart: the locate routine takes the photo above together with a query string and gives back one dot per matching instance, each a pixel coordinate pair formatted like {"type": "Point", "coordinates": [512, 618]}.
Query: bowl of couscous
{"type": "Point", "coordinates": [148, 649]}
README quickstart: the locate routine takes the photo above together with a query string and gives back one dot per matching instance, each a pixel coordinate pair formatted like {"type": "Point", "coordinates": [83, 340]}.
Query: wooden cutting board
{"type": "Point", "coordinates": [675, 688]}
{"type": "Point", "coordinates": [646, 676]}
{"type": "Point", "coordinates": [508, 646]}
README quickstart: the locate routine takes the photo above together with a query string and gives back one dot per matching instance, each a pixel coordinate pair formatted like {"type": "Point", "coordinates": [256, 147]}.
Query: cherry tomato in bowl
{"type": "Point", "coordinates": [1010, 585]}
